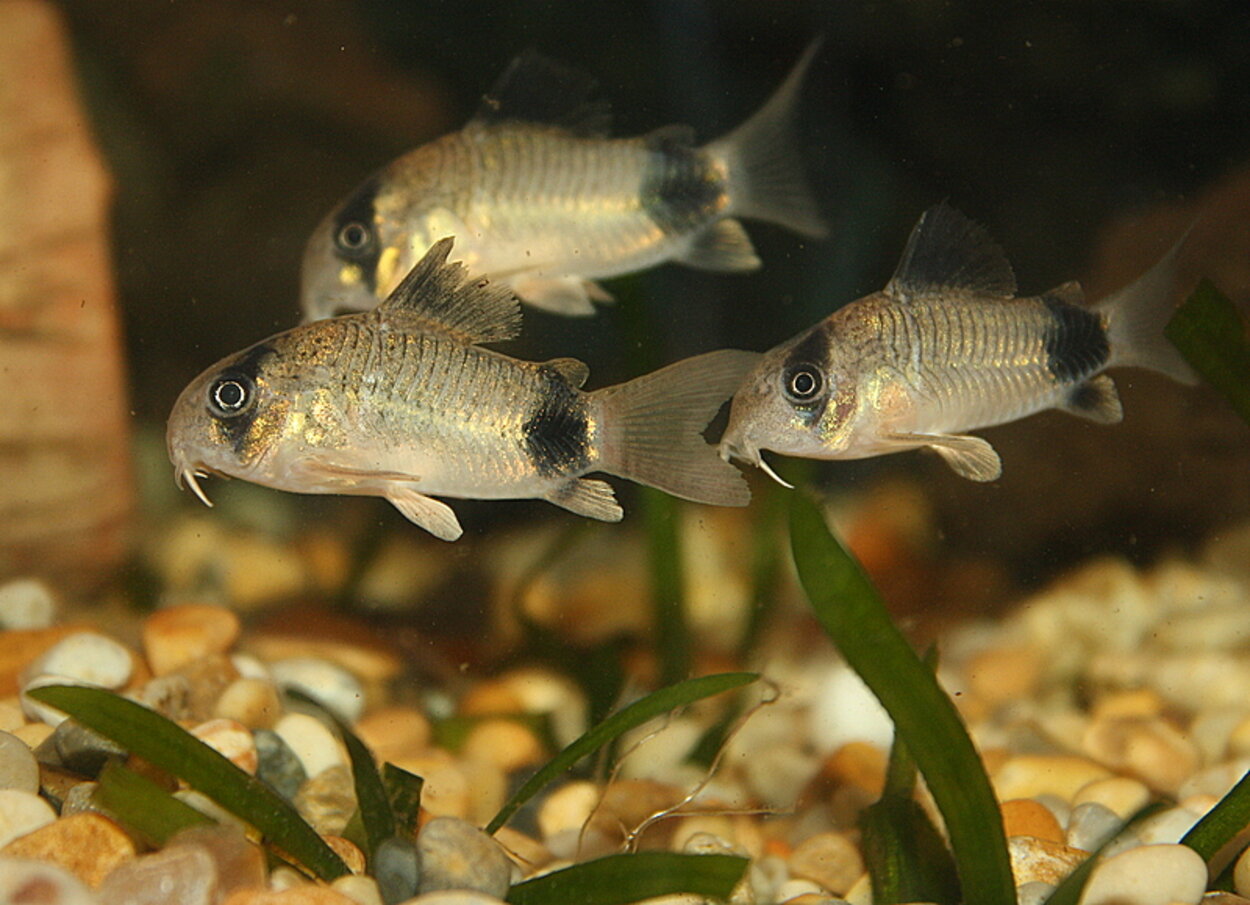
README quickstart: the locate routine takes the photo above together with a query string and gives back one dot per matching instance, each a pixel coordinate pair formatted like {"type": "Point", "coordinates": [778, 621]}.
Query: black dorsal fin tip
{"type": "Point", "coordinates": [440, 296]}
{"type": "Point", "coordinates": [537, 89]}
{"type": "Point", "coordinates": [948, 251]}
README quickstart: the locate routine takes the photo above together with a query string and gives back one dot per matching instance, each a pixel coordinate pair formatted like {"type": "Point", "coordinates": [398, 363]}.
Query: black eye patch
{"type": "Point", "coordinates": [802, 383]}
{"type": "Point", "coordinates": [231, 394]}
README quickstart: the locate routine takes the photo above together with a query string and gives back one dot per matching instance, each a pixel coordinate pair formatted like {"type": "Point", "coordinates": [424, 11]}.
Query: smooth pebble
{"type": "Point", "coordinates": [277, 764]}
{"type": "Point", "coordinates": [310, 740]}
{"type": "Point", "coordinates": [178, 635]}
{"type": "Point", "coordinates": [1034, 859]}
{"type": "Point", "coordinates": [1149, 747]}
{"type": "Point", "coordinates": [459, 897]}
{"type": "Point", "coordinates": [232, 740]}
{"type": "Point", "coordinates": [240, 862]}
{"type": "Point", "coordinates": [88, 845]}
{"type": "Point", "coordinates": [1166, 827]}
{"type": "Point", "coordinates": [88, 657]}
{"type": "Point", "coordinates": [1027, 817]}
{"type": "Point", "coordinates": [1034, 893]}
{"type": "Point", "coordinates": [38, 711]}
{"type": "Point", "coordinates": [1030, 775]}
{"type": "Point", "coordinates": [361, 890]}
{"type": "Point", "coordinates": [1148, 875]}
{"type": "Point", "coordinates": [567, 807]}
{"type": "Point", "coordinates": [79, 749]}
{"type": "Point", "coordinates": [329, 684]}
{"type": "Point", "coordinates": [1241, 874]}
{"type": "Point", "coordinates": [830, 859]}
{"type": "Point", "coordinates": [182, 875]}
{"type": "Point", "coordinates": [22, 813]}
{"type": "Point", "coordinates": [26, 603]}
{"type": "Point", "coordinates": [455, 854]}
{"type": "Point", "coordinates": [505, 743]}
{"type": "Point", "coordinates": [396, 868]}
{"type": "Point", "coordinates": [1124, 795]}
{"type": "Point", "coordinates": [394, 732]}
{"type": "Point", "coordinates": [18, 768]}
{"type": "Point", "coordinates": [252, 702]}
{"type": "Point", "coordinates": [328, 800]}
{"type": "Point", "coordinates": [26, 882]}
{"type": "Point", "coordinates": [1092, 824]}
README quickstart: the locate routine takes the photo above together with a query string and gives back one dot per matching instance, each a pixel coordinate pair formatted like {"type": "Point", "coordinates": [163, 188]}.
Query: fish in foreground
{"type": "Point", "coordinates": [538, 197]}
{"type": "Point", "coordinates": [401, 402]}
{"type": "Point", "coordinates": [946, 348]}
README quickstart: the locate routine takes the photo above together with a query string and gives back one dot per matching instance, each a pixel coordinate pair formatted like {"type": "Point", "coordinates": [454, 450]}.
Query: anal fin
{"type": "Point", "coordinates": [569, 295]}
{"type": "Point", "coordinates": [588, 497]}
{"type": "Point", "coordinates": [435, 517]}
{"type": "Point", "coordinates": [969, 457]}
{"type": "Point", "coordinates": [723, 246]}
{"type": "Point", "coordinates": [1095, 399]}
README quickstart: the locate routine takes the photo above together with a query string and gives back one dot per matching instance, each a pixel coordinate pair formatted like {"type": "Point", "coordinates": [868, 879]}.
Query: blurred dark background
{"type": "Point", "coordinates": [232, 126]}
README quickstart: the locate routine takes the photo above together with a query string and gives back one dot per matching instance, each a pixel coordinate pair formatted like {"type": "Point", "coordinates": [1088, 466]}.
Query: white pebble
{"type": "Point", "coordinates": [1148, 875]}
{"type": "Point", "coordinates": [88, 657]}
{"type": "Point", "coordinates": [22, 813]}
{"type": "Point", "coordinates": [1034, 893]}
{"type": "Point", "coordinates": [26, 603]}
{"type": "Point", "coordinates": [1092, 824]}
{"type": "Point", "coordinates": [1164, 828]}
{"type": "Point", "coordinates": [22, 880]}
{"type": "Point", "coordinates": [454, 897]}
{"type": "Point", "coordinates": [329, 684]}
{"type": "Point", "coordinates": [43, 713]}
{"type": "Point", "coordinates": [1241, 874]}
{"type": "Point", "coordinates": [360, 889]}
{"type": "Point", "coordinates": [18, 767]}
{"type": "Point", "coordinates": [792, 889]}
{"type": "Point", "coordinates": [844, 710]}
{"type": "Point", "coordinates": [310, 740]}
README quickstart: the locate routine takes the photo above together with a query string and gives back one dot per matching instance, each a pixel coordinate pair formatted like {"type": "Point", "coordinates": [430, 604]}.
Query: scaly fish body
{"type": "Point", "coordinates": [538, 196]}
{"type": "Point", "coordinates": [947, 348]}
{"type": "Point", "coordinates": [401, 402]}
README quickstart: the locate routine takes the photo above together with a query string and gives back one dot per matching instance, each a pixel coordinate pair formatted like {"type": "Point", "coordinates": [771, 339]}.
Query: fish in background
{"type": "Point", "coordinates": [401, 402]}
{"type": "Point", "coordinates": [946, 348]}
{"type": "Point", "coordinates": [540, 199]}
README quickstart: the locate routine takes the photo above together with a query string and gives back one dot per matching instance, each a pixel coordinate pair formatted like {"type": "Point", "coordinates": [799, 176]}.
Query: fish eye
{"type": "Point", "coordinates": [803, 383]}
{"type": "Point", "coordinates": [230, 395]}
{"type": "Point", "coordinates": [354, 238]}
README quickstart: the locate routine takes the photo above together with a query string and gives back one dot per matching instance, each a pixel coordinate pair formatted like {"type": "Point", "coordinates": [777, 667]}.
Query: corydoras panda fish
{"type": "Point", "coordinates": [400, 402]}
{"type": "Point", "coordinates": [538, 197]}
{"type": "Point", "coordinates": [946, 348]}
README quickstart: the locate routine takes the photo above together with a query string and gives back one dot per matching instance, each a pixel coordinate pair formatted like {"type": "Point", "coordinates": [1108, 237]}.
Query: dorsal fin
{"type": "Point", "coordinates": [440, 297]}
{"type": "Point", "coordinates": [572, 370]}
{"type": "Point", "coordinates": [947, 251]}
{"type": "Point", "coordinates": [1069, 293]}
{"type": "Point", "coordinates": [537, 89]}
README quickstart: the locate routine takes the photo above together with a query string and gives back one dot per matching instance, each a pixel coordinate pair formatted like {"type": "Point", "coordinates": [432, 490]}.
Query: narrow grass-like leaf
{"type": "Point", "coordinates": [167, 745]}
{"type": "Point", "coordinates": [1211, 335]}
{"type": "Point", "coordinates": [672, 633]}
{"type": "Point", "coordinates": [620, 879]}
{"type": "Point", "coordinates": [655, 704]}
{"type": "Point", "coordinates": [1068, 892]}
{"type": "Point", "coordinates": [853, 615]}
{"type": "Point", "coordinates": [1223, 822]}
{"type": "Point", "coordinates": [142, 806]}
{"type": "Point", "coordinates": [372, 803]}
{"type": "Point", "coordinates": [404, 791]}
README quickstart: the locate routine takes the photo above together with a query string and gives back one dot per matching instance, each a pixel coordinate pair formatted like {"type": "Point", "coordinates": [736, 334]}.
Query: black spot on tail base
{"type": "Point", "coordinates": [681, 191]}
{"type": "Point", "coordinates": [557, 433]}
{"type": "Point", "coordinates": [1075, 340]}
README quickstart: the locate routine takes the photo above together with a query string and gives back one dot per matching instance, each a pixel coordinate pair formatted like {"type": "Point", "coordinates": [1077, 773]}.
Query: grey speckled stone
{"type": "Point", "coordinates": [78, 749]}
{"type": "Point", "coordinates": [396, 869]}
{"type": "Point", "coordinates": [328, 800]}
{"type": "Point", "coordinates": [279, 766]}
{"type": "Point", "coordinates": [454, 854]}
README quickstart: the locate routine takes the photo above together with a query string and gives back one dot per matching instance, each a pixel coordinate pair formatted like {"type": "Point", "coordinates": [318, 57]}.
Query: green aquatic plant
{"type": "Point", "coordinates": [853, 615]}
{"type": "Point", "coordinates": [142, 806]}
{"type": "Point", "coordinates": [167, 745]}
{"type": "Point", "coordinates": [621, 879]}
{"type": "Point", "coordinates": [1211, 335]}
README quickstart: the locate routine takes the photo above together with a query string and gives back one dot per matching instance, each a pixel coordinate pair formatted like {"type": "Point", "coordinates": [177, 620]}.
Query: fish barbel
{"type": "Point", "coordinates": [946, 348]}
{"type": "Point", "coordinates": [401, 402]}
{"type": "Point", "coordinates": [537, 196]}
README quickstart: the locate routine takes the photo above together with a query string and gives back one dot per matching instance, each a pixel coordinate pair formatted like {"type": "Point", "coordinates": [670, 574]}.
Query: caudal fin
{"type": "Point", "coordinates": [1137, 314]}
{"type": "Point", "coordinates": [761, 158]}
{"type": "Point", "coordinates": [653, 428]}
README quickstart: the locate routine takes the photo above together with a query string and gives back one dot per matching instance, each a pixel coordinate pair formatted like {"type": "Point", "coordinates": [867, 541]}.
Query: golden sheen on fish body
{"type": "Point", "coordinates": [538, 197]}
{"type": "Point", "coordinates": [401, 402]}
{"type": "Point", "coordinates": [946, 348]}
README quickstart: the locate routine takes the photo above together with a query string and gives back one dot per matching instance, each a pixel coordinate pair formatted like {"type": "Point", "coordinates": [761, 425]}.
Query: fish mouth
{"type": "Point", "coordinates": [752, 456]}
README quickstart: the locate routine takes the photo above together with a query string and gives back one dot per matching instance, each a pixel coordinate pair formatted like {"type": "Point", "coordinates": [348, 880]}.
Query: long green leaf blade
{"type": "Point", "coordinates": [620, 879]}
{"type": "Point", "coordinates": [852, 614]}
{"type": "Point", "coordinates": [655, 704]}
{"type": "Point", "coordinates": [403, 790]}
{"type": "Point", "coordinates": [142, 806]}
{"type": "Point", "coordinates": [170, 747]}
{"type": "Point", "coordinates": [1223, 822]}
{"type": "Point", "coordinates": [1212, 337]}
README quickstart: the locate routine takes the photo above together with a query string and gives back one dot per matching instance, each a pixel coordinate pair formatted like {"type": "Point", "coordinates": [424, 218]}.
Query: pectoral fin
{"type": "Point", "coordinates": [593, 499]}
{"type": "Point", "coordinates": [435, 517]}
{"type": "Point", "coordinates": [568, 295]}
{"type": "Point", "coordinates": [970, 457]}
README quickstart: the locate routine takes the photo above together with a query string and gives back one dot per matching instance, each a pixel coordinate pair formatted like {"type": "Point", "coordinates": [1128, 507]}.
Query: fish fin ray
{"type": "Point", "coordinates": [723, 246]}
{"type": "Point", "coordinates": [1070, 293]}
{"type": "Point", "coordinates": [765, 171]}
{"type": "Point", "coordinates": [1095, 399]}
{"type": "Point", "coordinates": [653, 428]}
{"type": "Point", "coordinates": [442, 297]}
{"type": "Point", "coordinates": [569, 295]}
{"type": "Point", "coordinates": [434, 516]}
{"type": "Point", "coordinates": [1137, 314]}
{"type": "Point", "coordinates": [573, 371]}
{"type": "Point", "coordinates": [537, 89]}
{"type": "Point", "coordinates": [947, 251]}
{"type": "Point", "coordinates": [969, 457]}
{"type": "Point", "coordinates": [588, 497]}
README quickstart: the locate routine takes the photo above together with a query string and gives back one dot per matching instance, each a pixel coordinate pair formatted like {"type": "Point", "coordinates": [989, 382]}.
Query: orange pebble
{"type": "Point", "coordinates": [1027, 817]}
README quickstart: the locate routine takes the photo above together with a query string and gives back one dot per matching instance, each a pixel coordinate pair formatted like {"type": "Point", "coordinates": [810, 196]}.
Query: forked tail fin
{"type": "Point", "coordinates": [1137, 314]}
{"type": "Point", "coordinates": [762, 160]}
{"type": "Point", "coordinates": [653, 428]}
